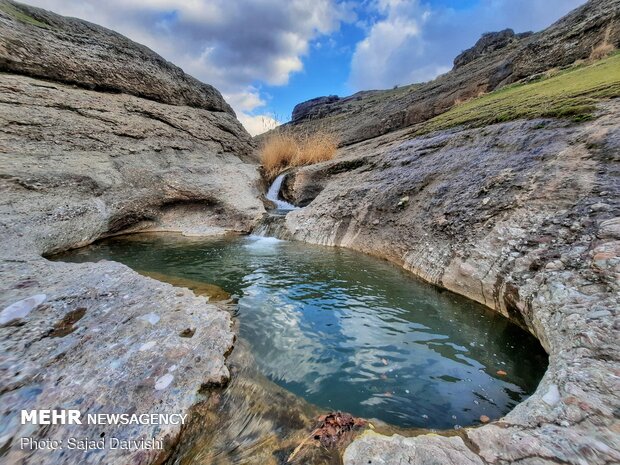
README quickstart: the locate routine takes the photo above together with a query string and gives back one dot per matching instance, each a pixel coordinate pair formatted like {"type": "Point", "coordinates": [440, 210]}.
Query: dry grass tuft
{"type": "Point", "coordinates": [315, 148]}
{"type": "Point", "coordinates": [283, 149]}
{"type": "Point", "coordinates": [603, 50]}
{"type": "Point", "coordinates": [278, 152]}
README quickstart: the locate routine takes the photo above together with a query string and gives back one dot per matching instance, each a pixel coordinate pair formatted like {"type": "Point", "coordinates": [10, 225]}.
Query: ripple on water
{"type": "Point", "coordinates": [350, 332]}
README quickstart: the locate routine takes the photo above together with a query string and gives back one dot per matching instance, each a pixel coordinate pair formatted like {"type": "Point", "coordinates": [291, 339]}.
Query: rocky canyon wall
{"type": "Point", "coordinates": [100, 135]}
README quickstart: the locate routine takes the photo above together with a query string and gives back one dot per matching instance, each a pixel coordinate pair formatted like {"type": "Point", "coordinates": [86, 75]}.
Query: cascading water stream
{"type": "Point", "coordinates": [273, 194]}
{"type": "Point", "coordinates": [273, 223]}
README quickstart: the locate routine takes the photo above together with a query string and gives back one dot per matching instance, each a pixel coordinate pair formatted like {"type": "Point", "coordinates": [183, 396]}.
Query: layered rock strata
{"type": "Point", "coordinates": [98, 136]}
{"type": "Point", "coordinates": [523, 217]}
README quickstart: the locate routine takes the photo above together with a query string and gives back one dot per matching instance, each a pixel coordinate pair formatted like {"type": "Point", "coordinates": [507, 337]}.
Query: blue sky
{"type": "Point", "coordinates": [326, 72]}
{"type": "Point", "coordinates": [327, 66]}
{"type": "Point", "coordinates": [265, 56]}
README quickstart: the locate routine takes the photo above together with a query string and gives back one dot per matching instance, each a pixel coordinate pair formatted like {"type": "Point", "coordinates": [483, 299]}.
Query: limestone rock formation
{"type": "Point", "coordinates": [42, 44]}
{"type": "Point", "coordinates": [495, 61]}
{"type": "Point", "coordinates": [489, 43]}
{"type": "Point", "coordinates": [99, 135]}
{"type": "Point", "coordinates": [522, 217]}
{"type": "Point", "coordinates": [308, 109]}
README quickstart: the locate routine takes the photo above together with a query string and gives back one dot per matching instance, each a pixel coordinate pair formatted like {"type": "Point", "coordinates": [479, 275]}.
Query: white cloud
{"type": "Point", "coordinates": [414, 42]}
{"type": "Point", "coordinates": [246, 99]}
{"type": "Point", "coordinates": [236, 45]}
{"type": "Point", "coordinates": [257, 124]}
{"type": "Point", "coordinates": [229, 44]}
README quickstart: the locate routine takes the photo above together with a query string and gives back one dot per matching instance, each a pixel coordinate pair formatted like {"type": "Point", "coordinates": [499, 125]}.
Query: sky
{"type": "Point", "coordinates": [265, 56]}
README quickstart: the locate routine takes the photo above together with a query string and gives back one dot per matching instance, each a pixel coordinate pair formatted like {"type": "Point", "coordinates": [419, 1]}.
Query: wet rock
{"type": "Point", "coordinates": [213, 292]}
{"type": "Point", "coordinates": [332, 428]}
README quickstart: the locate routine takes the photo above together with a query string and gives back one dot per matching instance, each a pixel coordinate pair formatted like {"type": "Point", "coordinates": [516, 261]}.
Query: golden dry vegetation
{"type": "Point", "coordinates": [283, 149]}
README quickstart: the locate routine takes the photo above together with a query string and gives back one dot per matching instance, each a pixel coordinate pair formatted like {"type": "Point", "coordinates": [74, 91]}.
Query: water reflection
{"type": "Point", "coordinates": [350, 332]}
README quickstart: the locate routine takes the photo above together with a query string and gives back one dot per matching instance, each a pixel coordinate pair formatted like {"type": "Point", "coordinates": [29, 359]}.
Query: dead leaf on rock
{"type": "Point", "coordinates": [332, 430]}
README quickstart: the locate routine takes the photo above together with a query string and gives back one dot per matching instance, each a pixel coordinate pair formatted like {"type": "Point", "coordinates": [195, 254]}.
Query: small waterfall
{"type": "Point", "coordinates": [273, 194]}
{"type": "Point", "coordinates": [273, 225]}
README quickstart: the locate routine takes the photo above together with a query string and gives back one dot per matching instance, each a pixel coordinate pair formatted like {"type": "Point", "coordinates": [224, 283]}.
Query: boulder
{"type": "Point", "coordinates": [489, 43]}
{"type": "Point", "coordinates": [314, 108]}
{"type": "Point", "coordinates": [42, 44]}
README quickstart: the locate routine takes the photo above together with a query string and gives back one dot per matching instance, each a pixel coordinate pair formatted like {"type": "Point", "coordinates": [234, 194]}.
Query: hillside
{"type": "Point", "coordinates": [497, 60]}
{"type": "Point", "coordinates": [498, 181]}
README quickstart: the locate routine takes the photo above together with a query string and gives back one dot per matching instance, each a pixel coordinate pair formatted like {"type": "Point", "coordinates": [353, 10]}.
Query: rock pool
{"type": "Point", "coordinates": [350, 332]}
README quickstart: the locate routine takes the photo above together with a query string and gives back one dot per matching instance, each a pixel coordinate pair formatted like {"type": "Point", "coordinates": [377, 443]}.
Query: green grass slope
{"type": "Point", "coordinates": [573, 94]}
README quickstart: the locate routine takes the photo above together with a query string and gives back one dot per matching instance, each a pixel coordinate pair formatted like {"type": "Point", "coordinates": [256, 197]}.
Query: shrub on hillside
{"type": "Point", "coordinates": [283, 149]}
{"type": "Point", "coordinates": [602, 51]}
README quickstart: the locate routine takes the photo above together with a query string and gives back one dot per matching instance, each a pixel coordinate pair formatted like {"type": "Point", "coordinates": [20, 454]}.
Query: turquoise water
{"type": "Point", "coordinates": [350, 332]}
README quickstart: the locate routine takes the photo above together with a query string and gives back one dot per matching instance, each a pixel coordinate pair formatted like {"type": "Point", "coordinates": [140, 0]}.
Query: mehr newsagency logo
{"type": "Point", "coordinates": [75, 417]}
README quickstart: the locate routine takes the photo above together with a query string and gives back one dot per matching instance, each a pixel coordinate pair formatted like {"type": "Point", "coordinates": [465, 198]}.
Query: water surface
{"type": "Point", "coordinates": [350, 332]}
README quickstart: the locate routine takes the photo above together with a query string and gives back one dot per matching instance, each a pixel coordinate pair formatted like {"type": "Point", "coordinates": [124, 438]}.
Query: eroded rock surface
{"type": "Point", "coordinates": [427, 450]}
{"type": "Point", "coordinates": [124, 355]}
{"type": "Point", "coordinates": [489, 43]}
{"type": "Point", "coordinates": [42, 44]}
{"type": "Point", "coordinates": [497, 60]}
{"type": "Point", "coordinates": [523, 217]}
{"type": "Point", "coordinates": [79, 162]}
